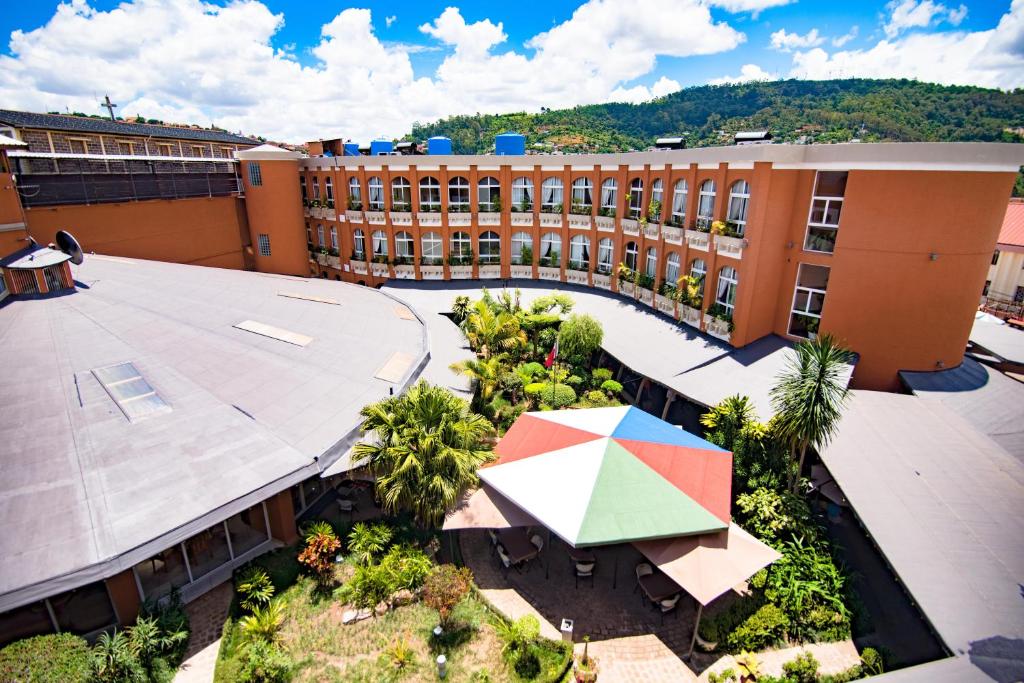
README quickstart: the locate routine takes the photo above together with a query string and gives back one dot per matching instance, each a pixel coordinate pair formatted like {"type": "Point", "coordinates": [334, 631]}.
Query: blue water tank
{"type": "Point", "coordinates": [439, 145]}
{"type": "Point", "coordinates": [510, 143]}
{"type": "Point", "coordinates": [351, 149]}
{"type": "Point", "coordinates": [378, 147]}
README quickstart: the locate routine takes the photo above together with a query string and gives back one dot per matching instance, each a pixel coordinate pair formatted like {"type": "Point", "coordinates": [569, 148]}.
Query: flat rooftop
{"type": "Point", "coordinates": [86, 493]}
{"type": "Point", "coordinates": [945, 505]}
{"type": "Point", "coordinates": [1000, 340]}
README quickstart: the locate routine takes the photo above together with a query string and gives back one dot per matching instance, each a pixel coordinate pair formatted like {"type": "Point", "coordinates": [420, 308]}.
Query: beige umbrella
{"type": "Point", "coordinates": [709, 564]}
{"type": "Point", "coordinates": [485, 508]}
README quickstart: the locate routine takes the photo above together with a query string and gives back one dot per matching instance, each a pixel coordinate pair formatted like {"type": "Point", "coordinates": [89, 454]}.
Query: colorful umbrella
{"type": "Point", "coordinates": [612, 475]}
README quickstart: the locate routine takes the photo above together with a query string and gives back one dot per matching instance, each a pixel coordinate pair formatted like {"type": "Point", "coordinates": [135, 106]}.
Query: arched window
{"type": "Point", "coordinates": [604, 255]}
{"type": "Point", "coordinates": [375, 194]}
{"type": "Point", "coordinates": [380, 245]}
{"type": "Point", "coordinates": [522, 194]}
{"type": "Point", "coordinates": [489, 194]}
{"type": "Point", "coordinates": [458, 195]}
{"type": "Point", "coordinates": [551, 195]}
{"type": "Point", "coordinates": [334, 239]}
{"type": "Point", "coordinates": [581, 195]}
{"type": "Point", "coordinates": [739, 198]}
{"type": "Point", "coordinates": [579, 252]}
{"type": "Point", "coordinates": [302, 186]}
{"type": "Point", "coordinates": [404, 247]}
{"type": "Point", "coordinates": [401, 194]}
{"type": "Point", "coordinates": [706, 205]}
{"type": "Point", "coordinates": [431, 249]}
{"type": "Point", "coordinates": [329, 186]}
{"type": "Point", "coordinates": [609, 190]}
{"type": "Point", "coordinates": [490, 247]}
{"type": "Point", "coordinates": [657, 200]}
{"type": "Point", "coordinates": [355, 195]}
{"type": "Point", "coordinates": [631, 255]}
{"type": "Point", "coordinates": [728, 278]}
{"type": "Point", "coordinates": [679, 196]}
{"type": "Point", "coordinates": [462, 249]}
{"type": "Point", "coordinates": [320, 236]}
{"type": "Point", "coordinates": [699, 271]}
{"type": "Point", "coordinates": [430, 194]}
{"type": "Point", "coordinates": [359, 245]}
{"type": "Point", "coordinates": [636, 198]}
{"type": "Point", "coordinates": [651, 264]}
{"type": "Point", "coordinates": [316, 188]}
{"type": "Point", "coordinates": [522, 248]}
{"type": "Point", "coordinates": [672, 268]}
{"type": "Point", "coordinates": [551, 249]}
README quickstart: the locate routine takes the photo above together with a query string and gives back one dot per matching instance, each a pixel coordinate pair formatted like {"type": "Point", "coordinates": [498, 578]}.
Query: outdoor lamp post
{"type": "Point", "coordinates": [442, 666]}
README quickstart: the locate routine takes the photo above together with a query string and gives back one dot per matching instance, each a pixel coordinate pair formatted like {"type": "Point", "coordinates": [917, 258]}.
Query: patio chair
{"type": "Point", "coordinates": [642, 569]}
{"type": "Point", "coordinates": [506, 561]}
{"type": "Point", "coordinates": [538, 543]}
{"type": "Point", "coordinates": [585, 570]}
{"type": "Point", "coordinates": [669, 605]}
{"type": "Point", "coordinates": [348, 506]}
{"type": "Point", "coordinates": [494, 540]}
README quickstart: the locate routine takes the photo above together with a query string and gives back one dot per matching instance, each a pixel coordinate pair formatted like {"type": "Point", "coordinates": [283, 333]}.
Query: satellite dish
{"type": "Point", "coordinates": [67, 243]}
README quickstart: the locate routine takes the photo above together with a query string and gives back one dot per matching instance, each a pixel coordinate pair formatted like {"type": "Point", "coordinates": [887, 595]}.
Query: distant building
{"type": "Point", "coordinates": [1004, 286]}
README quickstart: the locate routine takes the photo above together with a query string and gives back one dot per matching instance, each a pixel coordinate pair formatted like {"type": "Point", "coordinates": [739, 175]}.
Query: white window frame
{"type": "Point", "coordinates": [359, 244]}
{"type": "Point", "coordinates": [672, 266]}
{"type": "Point", "coordinates": [488, 189]}
{"type": "Point", "coordinates": [657, 195]}
{"type": "Point", "coordinates": [739, 204]}
{"type": "Point", "coordinates": [492, 254]}
{"type": "Point", "coordinates": [519, 240]}
{"type": "Point", "coordinates": [680, 195]}
{"type": "Point", "coordinates": [551, 194]}
{"type": "Point", "coordinates": [334, 238]}
{"type": "Point", "coordinates": [631, 255]}
{"type": "Point", "coordinates": [375, 193]}
{"type": "Point", "coordinates": [609, 193]}
{"type": "Point", "coordinates": [430, 194]}
{"type": "Point", "coordinates": [810, 291]}
{"type": "Point", "coordinates": [605, 250]}
{"type": "Point", "coordinates": [582, 193]}
{"type": "Point", "coordinates": [551, 242]}
{"type": "Point", "coordinates": [522, 192]}
{"type": "Point", "coordinates": [302, 186]}
{"type": "Point", "coordinates": [823, 225]}
{"type": "Point", "coordinates": [401, 194]}
{"type": "Point", "coordinates": [458, 193]}
{"type": "Point", "coordinates": [355, 190]}
{"type": "Point", "coordinates": [329, 188]}
{"type": "Point", "coordinates": [316, 188]}
{"type": "Point", "coordinates": [706, 204]}
{"type": "Point", "coordinates": [404, 245]}
{"type": "Point", "coordinates": [727, 285]}
{"type": "Point", "coordinates": [579, 250]}
{"type": "Point", "coordinates": [379, 239]}
{"type": "Point", "coordinates": [651, 263]}
{"type": "Point", "coordinates": [432, 249]}
{"type": "Point", "coordinates": [320, 236]}
{"type": "Point", "coordinates": [636, 197]}
{"type": "Point", "coordinates": [462, 244]}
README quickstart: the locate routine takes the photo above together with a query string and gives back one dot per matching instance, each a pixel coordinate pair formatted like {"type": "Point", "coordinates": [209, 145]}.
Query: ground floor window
{"type": "Point", "coordinates": [359, 245]}
{"type": "Point", "coordinates": [728, 278]}
{"type": "Point", "coordinates": [380, 244]}
{"type": "Point", "coordinates": [808, 300]}
{"type": "Point", "coordinates": [490, 248]}
{"type": "Point", "coordinates": [551, 249]}
{"type": "Point", "coordinates": [522, 248]}
{"type": "Point", "coordinates": [631, 255]}
{"type": "Point", "coordinates": [431, 249]}
{"type": "Point", "coordinates": [579, 252]}
{"type": "Point", "coordinates": [604, 255]}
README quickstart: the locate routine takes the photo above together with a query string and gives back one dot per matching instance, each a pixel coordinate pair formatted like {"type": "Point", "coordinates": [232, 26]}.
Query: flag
{"type": "Point", "coordinates": [552, 356]}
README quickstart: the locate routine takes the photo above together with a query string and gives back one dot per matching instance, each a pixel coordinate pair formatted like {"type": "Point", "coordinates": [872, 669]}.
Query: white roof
{"type": "Point", "coordinates": [267, 152]}
{"type": "Point", "coordinates": [8, 141]}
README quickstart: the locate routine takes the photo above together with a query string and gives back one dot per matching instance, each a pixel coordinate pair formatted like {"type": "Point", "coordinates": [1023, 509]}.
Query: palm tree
{"type": "Point", "coordinates": [425, 451]}
{"type": "Point", "coordinates": [484, 373]}
{"type": "Point", "coordinates": [150, 640]}
{"type": "Point", "coordinates": [809, 396]}
{"type": "Point", "coordinates": [491, 332]}
{"type": "Point", "coordinates": [116, 658]}
{"type": "Point", "coordinates": [264, 623]}
{"type": "Point", "coordinates": [366, 542]}
{"type": "Point", "coordinates": [727, 419]}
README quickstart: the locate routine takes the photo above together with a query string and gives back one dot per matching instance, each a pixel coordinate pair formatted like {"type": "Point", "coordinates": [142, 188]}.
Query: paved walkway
{"type": "Point", "coordinates": [206, 616]}
{"type": "Point", "coordinates": [832, 658]}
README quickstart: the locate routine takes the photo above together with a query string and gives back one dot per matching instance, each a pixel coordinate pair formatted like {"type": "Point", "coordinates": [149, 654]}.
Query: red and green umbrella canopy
{"type": "Point", "coordinates": [612, 475]}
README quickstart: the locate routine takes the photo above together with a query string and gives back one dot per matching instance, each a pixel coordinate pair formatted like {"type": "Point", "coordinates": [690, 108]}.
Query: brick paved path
{"type": "Point", "coordinates": [206, 616]}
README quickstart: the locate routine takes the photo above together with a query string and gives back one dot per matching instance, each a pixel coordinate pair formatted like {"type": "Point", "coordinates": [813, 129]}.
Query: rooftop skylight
{"type": "Point", "coordinates": [130, 391]}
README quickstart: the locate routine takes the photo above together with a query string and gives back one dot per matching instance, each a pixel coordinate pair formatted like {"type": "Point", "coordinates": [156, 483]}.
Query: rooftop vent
{"type": "Point", "coordinates": [130, 391]}
{"type": "Point", "coordinates": [670, 143]}
{"type": "Point", "coordinates": [753, 137]}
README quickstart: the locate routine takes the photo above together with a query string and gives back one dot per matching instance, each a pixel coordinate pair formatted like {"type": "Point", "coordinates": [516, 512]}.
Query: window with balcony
{"type": "Point", "coordinates": [725, 297]}
{"type": "Point", "coordinates": [706, 205]}
{"type": "Point", "coordinates": [636, 198]}
{"type": "Point", "coordinates": [808, 300]}
{"type": "Point", "coordinates": [329, 188]}
{"type": "Point", "coordinates": [551, 195]}
{"type": "Point", "coordinates": [632, 255]}
{"type": "Point", "coordinates": [579, 252]}
{"type": "Point", "coordinates": [309, 233]}
{"type": "Point", "coordinates": [320, 236]}
{"type": "Point", "coordinates": [522, 248]}
{"type": "Point", "coordinates": [359, 245]}
{"type": "Point", "coordinates": [826, 208]}
{"type": "Point", "coordinates": [609, 190]}
{"type": "Point", "coordinates": [375, 194]}
{"type": "Point", "coordinates": [355, 194]}
{"type": "Point", "coordinates": [489, 194]}
{"type": "Point", "coordinates": [604, 255]}
{"type": "Point", "coordinates": [657, 200]}
{"type": "Point", "coordinates": [739, 199]}
{"type": "Point", "coordinates": [699, 271]}
{"type": "Point", "coordinates": [316, 188]}
{"type": "Point", "coordinates": [490, 248]}
{"type": "Point", "coordinates": [430, 194]}
{"type": "Point", "coordinates": [334, 239]}
{"type": "Point", "coordinates": [458, 195]}
{"type": "Point", "coordinates": [679, 197]}
{"type": "Point", "coordinates": [672, 268]}
{"type": "Point", "coordinates": [551, 249]}
{"type": "Point", "coordinates": [522, 194]}
{"type": "Point", "coordinates": [404, 251]}
{"type": "Point", "coordinates": [462, 248]}
{"type": "Point", "coordinates": [431, 247]}
{"type": "Point", "coordinates": [651, 263]}
{"type": "Point", "coordinates": [401, 194]}
{"type": "Point", "coordinates": [302, 186]}
{"type": "Point", "coordinates": [582, 198]}
{"type": "Point", "coordinates": [380, 245]}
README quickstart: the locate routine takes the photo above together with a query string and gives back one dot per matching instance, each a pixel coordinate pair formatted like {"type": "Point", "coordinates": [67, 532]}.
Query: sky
{"type": "Point", "coordinates": [298, 71]}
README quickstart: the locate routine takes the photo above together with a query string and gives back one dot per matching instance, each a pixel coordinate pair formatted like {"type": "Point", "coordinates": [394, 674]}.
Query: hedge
{"type": "Point", "coordinates": [55, 658]}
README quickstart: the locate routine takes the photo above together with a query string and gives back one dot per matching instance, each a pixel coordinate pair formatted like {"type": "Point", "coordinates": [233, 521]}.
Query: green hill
{"type": "Point", "coordinates": [818, 111]}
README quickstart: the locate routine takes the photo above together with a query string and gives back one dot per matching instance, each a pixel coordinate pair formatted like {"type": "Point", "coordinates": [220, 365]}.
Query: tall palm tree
{"type": "Point", "coordinates": [809, 396]}
{"type": "Point", "coordinates": [484, 373]}
{"type": "Point", "coordinates": [425, 449]}
{"type": "Point", "coordinates": [490, 332]}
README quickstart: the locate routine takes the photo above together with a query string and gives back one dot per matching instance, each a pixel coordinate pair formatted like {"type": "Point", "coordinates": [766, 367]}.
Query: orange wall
{"type": "Point", "coordinates": [124, 593]}
{"type": "Point", "coordinates": [201, 231]}
{"type": "Point", "coordinates": [274, 208]}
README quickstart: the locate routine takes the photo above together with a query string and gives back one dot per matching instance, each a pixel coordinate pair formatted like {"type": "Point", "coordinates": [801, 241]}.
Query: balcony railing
{"type": "Point", "coordinates": [97, 188]}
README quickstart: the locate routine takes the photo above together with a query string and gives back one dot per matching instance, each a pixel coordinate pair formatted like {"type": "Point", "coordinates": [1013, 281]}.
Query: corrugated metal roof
{"type": "Point", "coordinates": [1012, 232]}
{"type": "Point", "coordinates": [27, 119]}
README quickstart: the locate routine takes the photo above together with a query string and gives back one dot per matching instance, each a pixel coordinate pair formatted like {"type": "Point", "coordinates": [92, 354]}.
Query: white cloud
{"type": "Point", "coordinates": [787, 42]}
{"type": "Point", "coordinates": [753, 6]}
{"type": "Point", "coordinates": [748, 72]}
{"type": "Point", "coordinates": [989, 58]}
{"type": "Point", "coordinates": [846, 37]}
{"type": "Point", "coordinates": [641, 93]}
{"type": "Point", "coordinates": [358, 85]}
{"type": "Point", "coordinates": [908, 14]}
{"type": "Point", "coordinates": [390, 20]}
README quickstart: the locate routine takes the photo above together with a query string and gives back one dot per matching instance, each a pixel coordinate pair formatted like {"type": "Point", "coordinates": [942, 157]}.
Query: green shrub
{"type": "Point", "coordinates": [600, 375]}
{"type": "Point", "coordinates": [367, 541]}
{"type": "Point", "coordinates": [262, 662]}
{"type": "Point", "coordinates": [810, 588]}
{"type": "Point", "coordinates": [872, 661]}
{"type": "Point", "coordinates": [527, 663]}
{"type": "Point", "coordinates": [579, 337]}
{"type": "Point", "coordinates": [445, 587]}
{"type": "Point", "coordinates": [511, 384]}
{"type": "Point", "coordinates": [254, 587]}
{"type": "Point", "coordinates": [612, 387]}
{"type": "Point", "coordinates": [55, 658]}
{"type": "Point", "coordinates": [727, 676]}
{"type": "Point", "coordinates": [764, 627]}
{"type": "Point", "coordinates": [574, 381]}
{"type": "Point", "coordinates": [558, 396]}
{"type": "Point", "coordinates": [530, 370]}
{"type": "Point", "coordinates": [803, 669]}
{"type": "Point", "coordinates": [775, 515]}
{"type": "Point", "coordinates": [264, 623]}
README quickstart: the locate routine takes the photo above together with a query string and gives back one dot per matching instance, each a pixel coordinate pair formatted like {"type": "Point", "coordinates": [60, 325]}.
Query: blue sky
{"type": "Point", "coordinates": [292, 70]}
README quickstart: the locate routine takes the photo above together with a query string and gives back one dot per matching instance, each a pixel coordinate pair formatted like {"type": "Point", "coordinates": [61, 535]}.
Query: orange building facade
{"type": "Point", "coordinates": [883, 245]}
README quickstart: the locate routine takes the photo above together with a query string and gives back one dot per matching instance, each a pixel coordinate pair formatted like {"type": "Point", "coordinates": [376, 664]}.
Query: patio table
{"type": "Point", "coordinates": [658, 586]}
{"type": "Point", "coordinates": [517, 545]}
